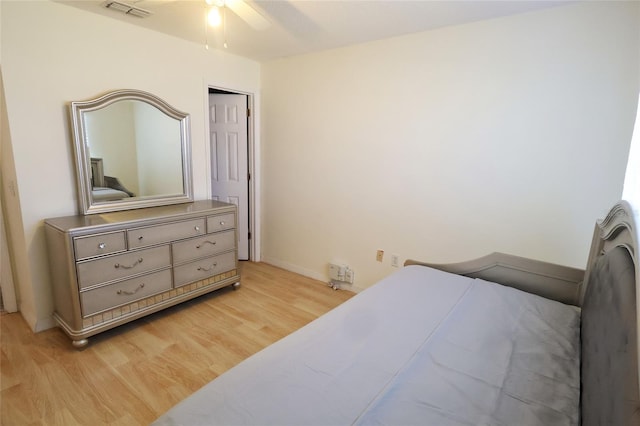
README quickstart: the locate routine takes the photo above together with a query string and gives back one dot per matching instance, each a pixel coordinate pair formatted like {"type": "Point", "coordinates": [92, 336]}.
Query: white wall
{"type": "Point", "coordinates": [113, 143]}
{"type": "Point", "coordinates": [505, 135]}
{"type": "Point", "coordinates": [9, 212]}
{"type": "Point", "coordinates": [53, 54]}
{"type": "Point", "coordinates": [160, 151]}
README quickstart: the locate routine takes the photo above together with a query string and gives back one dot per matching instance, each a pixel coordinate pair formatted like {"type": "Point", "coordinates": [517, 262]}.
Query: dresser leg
{"type": "Point", "coordinates": [80, 344]}
{"type": "Point", "coordinates": [236, 285]}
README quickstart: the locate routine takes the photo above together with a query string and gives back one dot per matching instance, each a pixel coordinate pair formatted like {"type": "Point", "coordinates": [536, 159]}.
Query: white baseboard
{"type": "Point", "coordinates": [306, 272]}
{"type": "Point", "coordinates": [297, 269]}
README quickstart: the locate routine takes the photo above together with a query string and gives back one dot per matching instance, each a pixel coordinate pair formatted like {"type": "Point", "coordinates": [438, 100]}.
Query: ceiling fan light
{"type": "Point", "coordinates": [214, 18]}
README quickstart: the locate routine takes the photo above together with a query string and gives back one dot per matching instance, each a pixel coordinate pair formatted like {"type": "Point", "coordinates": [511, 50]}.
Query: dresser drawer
{"type": "Point", "coordinates": [204, 268]}
{"type": "Point", "coordinates": [96, 245]}
{"type": "Point", "coordinates": [158, 234]}
{"type": "Point", "coordinates": [120, 266]}
{"type": "Point", "coordinates": [124, 292]}
{"type": "Point", "coordinates": [208, 245]}
{"type": "Point", "coordinates": [221, 222]}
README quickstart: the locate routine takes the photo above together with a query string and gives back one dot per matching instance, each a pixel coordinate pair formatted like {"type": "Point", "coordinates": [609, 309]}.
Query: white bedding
{"type": "Point", "coordinates": [100, 193]}
{"type": "Point", "coordinates": [420, 347]}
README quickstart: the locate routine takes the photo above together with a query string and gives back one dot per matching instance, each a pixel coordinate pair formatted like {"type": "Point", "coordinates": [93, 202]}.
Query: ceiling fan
{"type": "Point", "coordinates": [247, 13]}
{"type": "Point", "coordinates": [240, 7]}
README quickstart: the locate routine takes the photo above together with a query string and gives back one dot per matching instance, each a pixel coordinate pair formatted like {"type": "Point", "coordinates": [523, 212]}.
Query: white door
{"type": "Point", "coordinates": [229, 159]}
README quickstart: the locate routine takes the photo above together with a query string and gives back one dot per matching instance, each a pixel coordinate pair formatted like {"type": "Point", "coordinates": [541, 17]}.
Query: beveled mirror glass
{"type": "Point", "coordinates": [132, 150]}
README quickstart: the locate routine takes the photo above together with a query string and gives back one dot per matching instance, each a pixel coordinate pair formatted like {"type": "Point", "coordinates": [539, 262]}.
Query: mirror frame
{"type": "Point", "coordinates": [83, 158]}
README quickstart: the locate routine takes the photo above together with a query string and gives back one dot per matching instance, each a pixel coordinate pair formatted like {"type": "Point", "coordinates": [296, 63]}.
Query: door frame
{"type": "Point", "coordinates": [7, 284]}
{"type": "Point", "coordinates": [253, 165]}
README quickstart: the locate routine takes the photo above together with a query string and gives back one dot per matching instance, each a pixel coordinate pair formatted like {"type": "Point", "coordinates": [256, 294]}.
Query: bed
{"type": "Point", "coordinates": [502, 340]}
{"type": "Point", "coordinates": [106, 188]}
{"type": "Point", "coordinates": [102, 194]}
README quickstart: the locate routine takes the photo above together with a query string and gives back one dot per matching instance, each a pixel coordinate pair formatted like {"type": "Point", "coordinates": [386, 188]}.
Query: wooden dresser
{"type": "Point", "coordinates": [112, 268]}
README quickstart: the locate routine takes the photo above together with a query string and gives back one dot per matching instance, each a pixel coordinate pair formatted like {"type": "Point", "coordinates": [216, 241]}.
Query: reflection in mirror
{"type": "Point", "coordinates": [132, 151]}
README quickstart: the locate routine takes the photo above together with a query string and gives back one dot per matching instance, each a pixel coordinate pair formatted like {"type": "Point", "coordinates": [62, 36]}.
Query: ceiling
{"type": "Point", "coordinates": [299, 27]}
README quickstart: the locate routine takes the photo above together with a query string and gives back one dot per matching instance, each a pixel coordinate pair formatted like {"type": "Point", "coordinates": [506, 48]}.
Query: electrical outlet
{"type": "Point", "coordinates": [395, 260]}
{"type": "Point", "coordinates": [379, 255]}
{"type": "Point", "coordinates": [337, 271]}
{"type": "Point", "coordinates": [349, 275]}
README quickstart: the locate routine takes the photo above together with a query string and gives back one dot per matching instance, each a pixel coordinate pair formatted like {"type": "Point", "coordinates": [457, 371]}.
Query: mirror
{"type": "Point", "coordinates": [132, 150]}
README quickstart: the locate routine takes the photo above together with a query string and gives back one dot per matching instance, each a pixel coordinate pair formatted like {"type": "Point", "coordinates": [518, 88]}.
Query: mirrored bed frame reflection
{"type": "Point", "coordinates": [106, 188]}
{"type": "Point", "coordinates": [498, 341]}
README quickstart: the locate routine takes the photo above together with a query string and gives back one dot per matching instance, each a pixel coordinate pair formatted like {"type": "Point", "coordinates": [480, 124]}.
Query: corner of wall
{"type": "Point", "coordinates": [12, 214]}
{"type": "Point", "coordinates": [44, 324]}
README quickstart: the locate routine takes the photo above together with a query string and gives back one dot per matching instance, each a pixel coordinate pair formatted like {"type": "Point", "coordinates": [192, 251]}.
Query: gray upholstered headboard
{"type": "Point", "coordinates": [610, 388]}
{"type": "Point", "coordinates": [609, 343]}
{"type": "Point", "coordinates": [608, 295]}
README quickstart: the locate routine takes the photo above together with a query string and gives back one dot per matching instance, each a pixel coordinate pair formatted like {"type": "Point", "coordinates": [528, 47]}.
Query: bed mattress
{"type": "Point", "coordinates": [107, 194]}
{"type": "Point", "coordinates": [420, 347]}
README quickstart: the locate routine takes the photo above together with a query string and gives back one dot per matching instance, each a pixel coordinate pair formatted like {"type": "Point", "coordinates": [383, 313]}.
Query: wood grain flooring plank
{"type": "Point", "coordinates": [132, 374]}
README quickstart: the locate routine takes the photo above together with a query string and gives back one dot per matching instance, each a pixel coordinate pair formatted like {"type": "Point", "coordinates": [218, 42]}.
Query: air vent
{"type": "Point", "coordinates": [127, 9]}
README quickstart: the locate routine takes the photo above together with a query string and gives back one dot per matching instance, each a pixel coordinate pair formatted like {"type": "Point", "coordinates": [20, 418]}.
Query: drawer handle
{"type": "Point", "coordinates": [197, 228]}
{"type": "Point", "coordinates": [101, 246]}
{"type": "Point", "coordinates": [222, 222]}
{"type": "Point", "coordinates": [117, 265]}
{"type": "Point", "coordinates": [140, 238]}
{"type": "Point", "coordinates": [213, 243]}
{"type": "Point", "coordinates": [129, 293]}
{"type": "Point", "coordinates": [201, 268]}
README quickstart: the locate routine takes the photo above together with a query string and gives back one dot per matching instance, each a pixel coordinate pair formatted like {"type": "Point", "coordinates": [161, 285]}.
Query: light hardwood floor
{"type": "Point", "coordinates": [134, 373]}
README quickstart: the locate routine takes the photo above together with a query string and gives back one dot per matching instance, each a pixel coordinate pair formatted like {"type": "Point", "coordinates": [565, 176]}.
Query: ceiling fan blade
{"type": "Point", "coordinates": [248, 14]}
